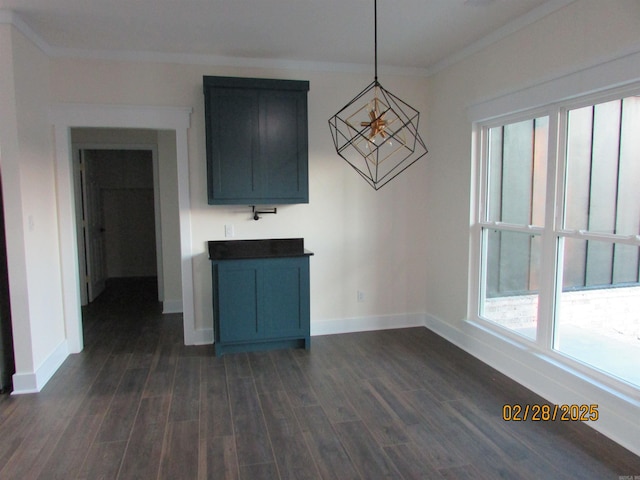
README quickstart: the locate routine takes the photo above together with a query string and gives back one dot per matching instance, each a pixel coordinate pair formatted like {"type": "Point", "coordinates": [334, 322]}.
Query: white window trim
{"type": "Point", "coordinates": [618, 72]}
{"type": "Point", "coordinates": [477, 272]}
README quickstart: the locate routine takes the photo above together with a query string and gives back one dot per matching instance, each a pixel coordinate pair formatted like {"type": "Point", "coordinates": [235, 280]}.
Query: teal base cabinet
{"type": "Point", "coordinates": [261, 304]}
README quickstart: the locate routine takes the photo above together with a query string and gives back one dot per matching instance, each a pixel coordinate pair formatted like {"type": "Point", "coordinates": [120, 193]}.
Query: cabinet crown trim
{"type": "Point", "coordinates": [256, 83]}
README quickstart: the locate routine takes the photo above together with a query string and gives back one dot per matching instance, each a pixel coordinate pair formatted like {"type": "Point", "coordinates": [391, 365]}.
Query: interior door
{"type": "Point", "coordinates": [93, 227]}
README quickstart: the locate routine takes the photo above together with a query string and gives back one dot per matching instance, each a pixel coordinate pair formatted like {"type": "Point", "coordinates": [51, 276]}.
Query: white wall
{"type": "Point", "coordinates": [583, 34]}
{"type": "Point", "coordinates": [362, 239]}
{"type": "Point", "coordinates": [30, 203]}
{"type": "Point", "coordinates": [10, 170]}
{"type": "Point", "coordinates": [169, 221]}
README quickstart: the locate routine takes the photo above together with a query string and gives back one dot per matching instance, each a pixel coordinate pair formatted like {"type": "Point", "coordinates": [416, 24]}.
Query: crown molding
{"type": "Point", "coordinates": [620, 70]}
{"type": "Point", "coordinates": [13, 18]}
{"type": "Point", "coordinates": [225, 61]}
{"type": "Point", "coordinates": [9, 17]}
{"type": "Point", "coordinates": [510, 28]}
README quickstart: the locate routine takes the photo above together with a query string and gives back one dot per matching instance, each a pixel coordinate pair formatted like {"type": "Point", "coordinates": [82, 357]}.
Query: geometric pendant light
{"type": "Point", "coordinates": [377, 132]}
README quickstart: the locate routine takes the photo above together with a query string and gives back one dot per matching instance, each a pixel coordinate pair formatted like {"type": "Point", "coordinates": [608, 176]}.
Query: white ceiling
{"type": "Point", "coordinates": [412, 34]}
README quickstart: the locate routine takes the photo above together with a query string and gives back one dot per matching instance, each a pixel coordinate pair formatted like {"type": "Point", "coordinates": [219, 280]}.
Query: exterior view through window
{"type": "Point", "coordinates": [560, 232]}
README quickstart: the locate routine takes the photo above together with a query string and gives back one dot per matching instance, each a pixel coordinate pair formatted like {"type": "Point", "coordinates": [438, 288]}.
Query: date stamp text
{"type": "Point", "coordinates": [550, 413]}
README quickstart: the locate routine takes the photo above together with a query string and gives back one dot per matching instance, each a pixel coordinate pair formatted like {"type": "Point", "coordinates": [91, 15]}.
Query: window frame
{"type": "Point", "coordinates": [552, 233]}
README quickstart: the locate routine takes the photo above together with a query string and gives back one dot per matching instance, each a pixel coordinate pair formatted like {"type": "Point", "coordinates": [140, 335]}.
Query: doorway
{"type": "Point", "coordinates": [118, 222]}
{"type": "Point", "coordinates": [172, 123]}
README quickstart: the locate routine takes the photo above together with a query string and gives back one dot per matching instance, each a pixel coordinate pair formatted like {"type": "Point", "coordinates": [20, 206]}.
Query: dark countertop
{"type": "Point", "coordinates": [269, 248]}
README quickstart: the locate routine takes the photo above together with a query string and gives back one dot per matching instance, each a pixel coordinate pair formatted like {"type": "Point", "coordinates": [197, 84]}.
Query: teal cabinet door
{"type": "Point", "coordinates": [285, 298]}
{"type": "Point", "coordinates": [238, 301]}
{"type": "Point", "coordinates": [284, 150]}
{"type": "Point", "coordinates": [261, 304]}
{"type": "Point", "coordinates": [256, 141]}
{"type": "Point", "coordinates": [233, 138]}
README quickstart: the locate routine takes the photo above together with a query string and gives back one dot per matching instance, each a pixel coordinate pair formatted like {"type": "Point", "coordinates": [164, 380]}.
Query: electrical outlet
{"type": "Point", "coordinates": [360, 295]}
{"type": "Point", "coordinates": [229, 231]}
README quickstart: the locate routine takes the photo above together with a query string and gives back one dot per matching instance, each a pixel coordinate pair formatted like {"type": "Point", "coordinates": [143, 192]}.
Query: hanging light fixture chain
{"type": "Point", "coordinates": [375, 39]}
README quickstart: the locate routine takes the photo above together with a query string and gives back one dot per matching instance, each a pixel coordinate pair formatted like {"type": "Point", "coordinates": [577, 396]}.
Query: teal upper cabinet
{"type": "Point", "coordinates": [257, 141]}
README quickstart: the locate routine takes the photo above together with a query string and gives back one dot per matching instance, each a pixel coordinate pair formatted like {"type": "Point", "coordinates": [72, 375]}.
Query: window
{"type": "Point", "coordinates": [516, 175]}
{"type": "Point", "coordinates": [559, 232]}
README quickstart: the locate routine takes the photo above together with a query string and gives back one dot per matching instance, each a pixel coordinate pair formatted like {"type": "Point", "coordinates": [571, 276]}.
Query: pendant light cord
{"type": "Point", "coordinates": [375, 38]}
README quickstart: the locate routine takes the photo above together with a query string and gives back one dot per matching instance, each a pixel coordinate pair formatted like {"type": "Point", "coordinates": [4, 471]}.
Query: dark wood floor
{"type": "Point", "coordinates": [396, 404]}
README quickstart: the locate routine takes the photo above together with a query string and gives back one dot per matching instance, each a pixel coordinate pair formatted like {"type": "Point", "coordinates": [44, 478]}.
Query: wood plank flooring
{"type": "Point", "coordinates": [395, 404]}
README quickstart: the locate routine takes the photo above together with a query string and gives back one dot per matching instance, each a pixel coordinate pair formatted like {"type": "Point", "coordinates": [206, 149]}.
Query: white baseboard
{"type": "Point", "coordinates": [330, 327]}
{"type": "Point", "coordinates": [202, 336]}
{"type": "Point", "coordinates": [32, 382]}
{"type": "Point", "coordinates": [343, 325]}
{"type": "Point", "coordinates": [172, 306]}
{"type": "Point", "coordinates": [364, 324]}
{"type": "Point", "coordinates": [549, 378]}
